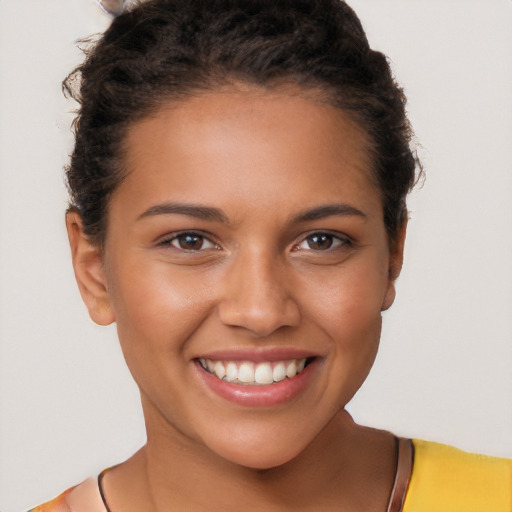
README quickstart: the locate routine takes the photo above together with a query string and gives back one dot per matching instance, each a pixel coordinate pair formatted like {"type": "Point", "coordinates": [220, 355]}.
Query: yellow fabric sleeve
{"type": "Point", "coordinates": [445, 479]}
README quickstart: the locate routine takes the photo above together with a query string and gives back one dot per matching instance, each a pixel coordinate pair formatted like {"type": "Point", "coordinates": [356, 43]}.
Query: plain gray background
{"type": "Point", "coordinates": [68, 407]}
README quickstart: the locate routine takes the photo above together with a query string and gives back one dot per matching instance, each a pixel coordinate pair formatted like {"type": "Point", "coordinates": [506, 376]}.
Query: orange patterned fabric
{"type": "Point", "coordinates": [58, 504]}
{"type": "Point", "coordinates": [85, 497]}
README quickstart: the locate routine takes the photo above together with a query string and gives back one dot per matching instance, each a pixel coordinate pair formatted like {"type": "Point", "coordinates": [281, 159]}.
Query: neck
{"type": "Point", "coordinates": [173, 472]}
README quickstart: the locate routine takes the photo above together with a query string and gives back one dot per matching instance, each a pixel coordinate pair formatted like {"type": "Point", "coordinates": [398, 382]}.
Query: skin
{"type": "Point", "coordinates": [254, 280]}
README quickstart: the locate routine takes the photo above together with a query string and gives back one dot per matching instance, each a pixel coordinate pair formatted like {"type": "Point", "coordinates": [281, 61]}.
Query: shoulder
{"type": "Point", "coordinates": [84, 497]}
{"type": "Point", "coordinates": [446, 479]}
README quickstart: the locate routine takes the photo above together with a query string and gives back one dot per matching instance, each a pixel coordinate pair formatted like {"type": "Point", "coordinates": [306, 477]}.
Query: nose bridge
{"type": "Point", "coordinates": [256, 294]}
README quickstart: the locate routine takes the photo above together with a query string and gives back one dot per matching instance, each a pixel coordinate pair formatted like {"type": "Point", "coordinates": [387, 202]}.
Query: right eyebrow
{"type": "Point", "coordinates": [191, 210]}
{"type": "Point", "coordinates": [329, 210]}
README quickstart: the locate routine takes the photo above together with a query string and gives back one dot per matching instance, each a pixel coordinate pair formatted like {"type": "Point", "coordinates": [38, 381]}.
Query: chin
{"type": "Point", "coordinates": [266, 452]}
{"type": "Point", "coordinates": [262, 460]}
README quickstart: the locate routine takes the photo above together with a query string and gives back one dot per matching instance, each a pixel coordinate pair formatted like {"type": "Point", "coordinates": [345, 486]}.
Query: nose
{"type": "Point", "coordinates": [257, 296]}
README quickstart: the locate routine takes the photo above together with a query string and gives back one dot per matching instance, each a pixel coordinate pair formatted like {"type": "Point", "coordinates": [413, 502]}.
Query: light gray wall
{"type": "Point", "coordinates": [68, 407]}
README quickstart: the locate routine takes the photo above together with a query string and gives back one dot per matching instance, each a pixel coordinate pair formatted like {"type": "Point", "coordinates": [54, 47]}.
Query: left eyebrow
{"type": "Point", "coordinates": [328, 210]}
{"type": "Point", "coordinates": [190, 210]}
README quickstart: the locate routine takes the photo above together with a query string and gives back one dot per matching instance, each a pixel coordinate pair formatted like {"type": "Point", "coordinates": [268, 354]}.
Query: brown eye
{"type": "Point", "coordinates": [321, 242]}
{"type": "Point", "coordinates": [192, 242]}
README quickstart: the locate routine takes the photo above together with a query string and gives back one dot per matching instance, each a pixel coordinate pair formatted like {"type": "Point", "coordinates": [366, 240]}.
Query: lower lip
{"type": "Point", "coordinates": [259, 396]}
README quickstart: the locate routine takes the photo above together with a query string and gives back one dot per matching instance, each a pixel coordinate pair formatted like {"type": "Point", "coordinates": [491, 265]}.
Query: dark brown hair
{"type": "Point", "coordinates": [167, 50]}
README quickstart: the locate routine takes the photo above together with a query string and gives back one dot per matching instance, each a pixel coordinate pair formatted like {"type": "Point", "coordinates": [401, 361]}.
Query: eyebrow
{"type": "Point", "coordinates": [191, 210]}
{"type": "Point", "coordinates": [214, 214]}
{"type": "Point", "coordinates": [328, 210]}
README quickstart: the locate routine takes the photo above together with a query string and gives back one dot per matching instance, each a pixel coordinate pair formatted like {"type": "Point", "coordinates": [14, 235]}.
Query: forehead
{"type": "Point", "coordinates": [249, 143]}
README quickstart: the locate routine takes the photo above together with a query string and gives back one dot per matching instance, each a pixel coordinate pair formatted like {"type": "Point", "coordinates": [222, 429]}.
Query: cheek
{"type": "Point", "coordinates": [348, 311]}
{"type": "Point", "coordinates": [348, 301]}
{"type": "Point", "coordinates": [353, 324]}
{"type": "Point", "coordinates": [157, 310]}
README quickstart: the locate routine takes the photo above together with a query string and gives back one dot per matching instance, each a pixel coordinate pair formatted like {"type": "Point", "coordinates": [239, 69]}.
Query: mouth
{"type": "Point", "coordinates": [267, 378]}
{"type": "Point", "coordinates": [249, 373]}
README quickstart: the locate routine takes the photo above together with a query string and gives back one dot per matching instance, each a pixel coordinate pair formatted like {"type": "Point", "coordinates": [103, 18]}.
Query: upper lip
{"type": "Point", "coordinates": [257, 355]}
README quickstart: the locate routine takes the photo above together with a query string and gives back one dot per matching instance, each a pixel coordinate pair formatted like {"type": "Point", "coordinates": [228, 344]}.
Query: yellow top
{"type": "Point", "coordinates": [445, 479]}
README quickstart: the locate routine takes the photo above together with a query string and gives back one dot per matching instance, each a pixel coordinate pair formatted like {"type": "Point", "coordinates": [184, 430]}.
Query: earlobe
{"type": "Point", "coordinates": [389, 298]}
{"type": "Point", "coordinates": [395, 266]}
{"type": "Point", "coordinates": [87, 261]}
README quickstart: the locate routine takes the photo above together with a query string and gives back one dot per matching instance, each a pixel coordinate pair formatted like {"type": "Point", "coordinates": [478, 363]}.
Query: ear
{"type": "Point", "coordinates": [396, 260]}
{"type": "Point", "coordinates": [89, 271]}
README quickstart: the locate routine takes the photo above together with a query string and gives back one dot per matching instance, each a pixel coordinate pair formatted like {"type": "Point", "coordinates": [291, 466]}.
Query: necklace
{"type": "Point", "coordinates": [102, 492]}
{"type": "Point", "coordinates": [404, 462]}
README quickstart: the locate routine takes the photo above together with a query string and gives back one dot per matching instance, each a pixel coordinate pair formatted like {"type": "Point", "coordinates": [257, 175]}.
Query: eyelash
{"type": "Point", "coordinates": [175, 237]}
{"type": "Point", "coordinates": [336, 241]}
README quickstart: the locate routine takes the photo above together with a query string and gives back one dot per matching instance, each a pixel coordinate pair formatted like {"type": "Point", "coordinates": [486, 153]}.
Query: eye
{"type": "Point", "coordinates": [322, 242]}
{"type": "Point", "coordinates": [190, 241]}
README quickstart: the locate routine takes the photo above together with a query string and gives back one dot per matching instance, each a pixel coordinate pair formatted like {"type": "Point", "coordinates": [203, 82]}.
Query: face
{"type": "Point", "coordinates": [246, 265]}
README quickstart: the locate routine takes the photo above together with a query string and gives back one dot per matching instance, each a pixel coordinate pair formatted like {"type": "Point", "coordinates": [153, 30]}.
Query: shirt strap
{"type": "Point", "coordinates": [404, 462]}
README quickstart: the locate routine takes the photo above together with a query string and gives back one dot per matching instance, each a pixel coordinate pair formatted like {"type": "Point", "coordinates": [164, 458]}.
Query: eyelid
{"type": "Point", "coordinates": [166, 240]}
{"type": "Point", "coordinates": [343, 239]}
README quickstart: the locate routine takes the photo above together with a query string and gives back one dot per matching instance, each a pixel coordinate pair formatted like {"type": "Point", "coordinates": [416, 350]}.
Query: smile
{"type": "Point", "coordinates": [248, 373]}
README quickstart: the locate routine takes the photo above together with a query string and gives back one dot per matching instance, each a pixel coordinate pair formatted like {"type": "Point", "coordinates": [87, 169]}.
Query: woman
{"type": "Point", "coordinates": [238, 209]}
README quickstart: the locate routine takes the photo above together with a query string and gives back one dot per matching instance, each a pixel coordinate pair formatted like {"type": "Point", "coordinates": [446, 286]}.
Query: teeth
{"type": "Point", "coordinates": [249, 373]}
{"type": "Point", "coordinates": [291, 369]}
{"type": "Point", "coordinates": [246, 373]}
{"type": "Point", "coordinates": [263, 374]}
{"type": "Point", "coordinates": [219, 369]}
{"type": "Point", "coordinates": [279, 372]}
{"type": "Point", "coordinates": [231, 371]}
